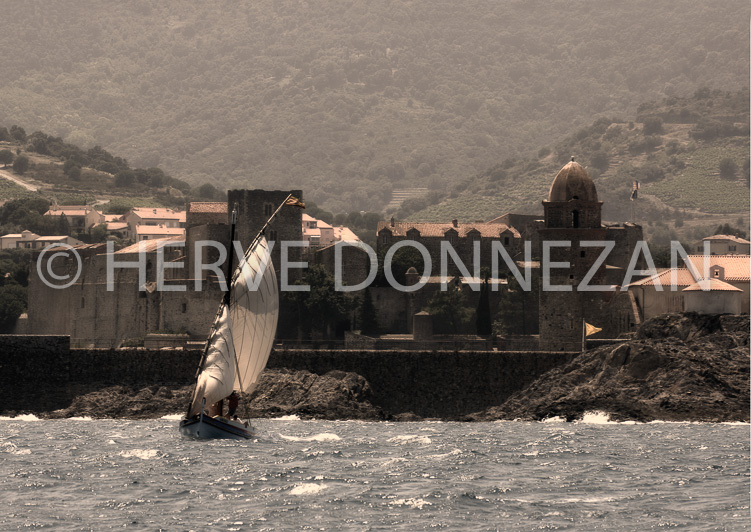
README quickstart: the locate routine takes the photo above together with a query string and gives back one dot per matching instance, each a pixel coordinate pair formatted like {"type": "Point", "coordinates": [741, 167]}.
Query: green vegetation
{"type": "Point", "coordinates": [679, 172]}
{"type": "Point", "coordinates": [350, 99]}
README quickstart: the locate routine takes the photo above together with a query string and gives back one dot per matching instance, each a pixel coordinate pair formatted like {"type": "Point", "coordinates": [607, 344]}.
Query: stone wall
{"type": "Point", "coordinates": [42, 373]}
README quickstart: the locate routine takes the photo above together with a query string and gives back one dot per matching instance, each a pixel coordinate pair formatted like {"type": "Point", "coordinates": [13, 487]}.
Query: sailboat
{"type": "Point", "coordinates": [240, 340]}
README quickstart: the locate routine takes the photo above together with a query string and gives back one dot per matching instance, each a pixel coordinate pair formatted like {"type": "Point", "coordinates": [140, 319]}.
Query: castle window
{"type": "Point", "coordinates": [506, 241]}
{"type": "Point", "coordinates": [83, 303]}
{"type": "Point", "coordinates": [582, 253]}
{"type": "Point", "coordinates": [575, 218]}
{"type": "Point", "coordinates": [268, 209]}
{"type": "Point", "coordinates": [272, 235]}
{"type": "Point", "coordinates": [184, 308]}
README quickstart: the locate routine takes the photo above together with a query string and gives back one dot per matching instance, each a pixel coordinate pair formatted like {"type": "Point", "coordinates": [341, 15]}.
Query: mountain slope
{"type": "Point", "coordinates": [350, 99]}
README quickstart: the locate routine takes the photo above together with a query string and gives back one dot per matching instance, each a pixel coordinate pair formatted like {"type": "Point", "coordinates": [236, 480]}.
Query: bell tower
{"type": "Point", "coordinates": [572, 216]}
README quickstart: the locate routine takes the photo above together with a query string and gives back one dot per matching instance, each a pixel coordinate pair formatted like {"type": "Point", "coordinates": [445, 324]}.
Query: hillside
{"type": "Point", "coordinates": [350, 99]}
{"type": "Point", "coordinates": [675, 148]}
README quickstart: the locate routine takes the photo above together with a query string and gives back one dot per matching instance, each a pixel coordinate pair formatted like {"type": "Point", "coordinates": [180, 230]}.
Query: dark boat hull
{"type": "Point", "coordinates": [205, 427]}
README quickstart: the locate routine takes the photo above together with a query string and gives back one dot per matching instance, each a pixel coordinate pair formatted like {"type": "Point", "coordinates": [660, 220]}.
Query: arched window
{"type": "Point", "coordinates": [575, 218]}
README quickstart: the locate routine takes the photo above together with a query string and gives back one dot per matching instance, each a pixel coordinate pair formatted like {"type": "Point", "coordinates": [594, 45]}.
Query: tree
{"type": "Point", "coordinates": [124, 179]}
{"type": "Point", "coordinates": [207, 191]}
{"type": "Point", "coordinates": [600, 160]}
{"type": "Point", "coordinates": [99, 233]}
{"type": "Point", "coordinates": [321, 308]}
{"type": "Point", "coordinates": [18, 133]}
{"type": "Point", "coordinates": [75, 173]}
{"type": "Point", "coordinates": [6, 157]}
{"type": "Point", "coordinates": [21, 164]}
{"type": "Point", "coordinates": [12, 304]}
{"type": "Point", "coordinates": [727, 229]}
{"type": "Point", "coordinates": [653, 125]}
{"type": "Point", "coordinates": [449, 308]}
{"type": "Point", "coordinates": [728, 168]}
{"type": "Point", "coordinates": [367, 317]}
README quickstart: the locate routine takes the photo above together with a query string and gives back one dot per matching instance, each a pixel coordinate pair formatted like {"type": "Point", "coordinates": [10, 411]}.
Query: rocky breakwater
{"type": "Point", "coordinates": [679, 367]}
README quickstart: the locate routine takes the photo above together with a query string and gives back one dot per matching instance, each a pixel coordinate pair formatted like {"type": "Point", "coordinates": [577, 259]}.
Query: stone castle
{"type": "Point", "coordinates": [134, 308]}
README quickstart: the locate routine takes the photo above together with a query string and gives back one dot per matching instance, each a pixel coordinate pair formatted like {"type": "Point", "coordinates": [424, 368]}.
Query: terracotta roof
{"type": "Point", "coordinates": [208, 206]}
{"type": "Point", "coordinates": [159, 230]}
{"type": "Point", "coordinates": [713, 285]}
{"type": "Point", "coordinates": [732, 238]}
{"type": "Point", "coordinates": [113, 217]}
{"type": "Point", "coordinates": [149, 246]}
{"type": "Point", "coordinates": [158, 213]}
{"type": "Point", "coordinates": [116, 226]}
{"type": "Point", "coordinates": [489, 230]}
{"type": "Point", "coordinates": [737, 267]}
{"type": "Point", "coordinates": [70, 210]}
{"type": "Point", "coordinates": [346, 234]}
{"type": "Point", "coordinates": [683, 278]}
{"type": "Point", "coordinates": [307, 217]}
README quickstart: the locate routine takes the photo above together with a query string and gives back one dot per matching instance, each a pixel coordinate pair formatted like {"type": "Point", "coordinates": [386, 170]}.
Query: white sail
{"type": "Point", "coordinates": [217, 377]}
{"type": "Point", "coordinates": [254, 309]}
{"type": "Point", "coordinates": [243, 333]}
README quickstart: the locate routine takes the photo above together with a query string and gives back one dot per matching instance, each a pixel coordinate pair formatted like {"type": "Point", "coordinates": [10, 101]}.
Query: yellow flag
{"type": "Point", "coordinates": [294, 202]}
{"type": "Point", "coordinates": [591, 329]}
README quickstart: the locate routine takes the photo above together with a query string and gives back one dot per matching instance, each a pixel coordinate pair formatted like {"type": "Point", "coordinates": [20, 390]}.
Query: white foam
{"type": "Point", "coordinates": [412, 503]}
{"type": "Point", "coordinates": [307, 489]}
{"type": "Point", "coordinates": [173, 417]}
{"type": "Point", "coordinates": [22, 417]}
{"type": "Point", "coordinates": [411, 438]}
{"type": "Point", "coordinates": [292, 417]}
{"type": "Point", "coordinates": [455, 452]}
{"type": "Point", "coordinates": [324, 436]}
{"type": "Point", "coordinates": [554, 419]}
{"type": "Point", "coordinates": [143, 454]}
{"type": "Point", "coordinates": [11, 448]}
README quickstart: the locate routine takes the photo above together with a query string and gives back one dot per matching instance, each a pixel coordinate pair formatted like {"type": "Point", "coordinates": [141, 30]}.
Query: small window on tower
{"type": "Point", "coordinates": [582, 253]}
{"type": "Point", "coordinates": [184, 308]}
{"type": "Point", "coordinates": [505, 241]}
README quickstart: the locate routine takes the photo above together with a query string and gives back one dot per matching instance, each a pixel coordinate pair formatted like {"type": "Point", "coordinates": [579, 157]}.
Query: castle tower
{"type": "Point", "coordinates": [572, 215]}
{"type": "Point", "coordinates": [255, 207]}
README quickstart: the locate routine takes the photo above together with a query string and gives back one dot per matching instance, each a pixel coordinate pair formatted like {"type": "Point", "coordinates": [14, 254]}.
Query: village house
{"type": "Point", "coordinates": [726, 245]}
{"type": "Point", "coordinates": [28, 240]}
{"type": "Point", "coordinates": [80, 218]}
{"type": "Point", "coordinates": [667, 290]}
{"type": "Point", "coordinates": [152, 216]}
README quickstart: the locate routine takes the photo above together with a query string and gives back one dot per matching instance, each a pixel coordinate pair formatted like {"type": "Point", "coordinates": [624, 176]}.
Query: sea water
{"type": "Point", "coordinates": [81, 474]}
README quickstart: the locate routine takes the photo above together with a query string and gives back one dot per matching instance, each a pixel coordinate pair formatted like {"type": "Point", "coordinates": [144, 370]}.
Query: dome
{"type": "Point", "coordinates": [573, 183]}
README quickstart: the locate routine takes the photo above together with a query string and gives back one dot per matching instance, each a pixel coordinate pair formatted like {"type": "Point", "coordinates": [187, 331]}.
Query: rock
{"type": "Point", "coordinates": [334, 395]}
{"type": "Point", "coordinates": [679, 367]}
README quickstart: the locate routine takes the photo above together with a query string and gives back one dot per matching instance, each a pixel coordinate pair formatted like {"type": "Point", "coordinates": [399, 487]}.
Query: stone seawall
{"type": "Point", "coordinates": [42, 373]}
{"type": "Point", "coordinates": [431, 384]}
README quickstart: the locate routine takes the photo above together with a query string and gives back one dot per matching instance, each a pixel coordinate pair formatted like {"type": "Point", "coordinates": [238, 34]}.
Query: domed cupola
{"type": "Point", "coordinates": [573, 183]}
{"type": "Point", "coordinates": [572, 201]}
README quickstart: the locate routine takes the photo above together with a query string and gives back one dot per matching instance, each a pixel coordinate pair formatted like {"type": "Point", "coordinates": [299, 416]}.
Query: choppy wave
{"type": "Point", "coordinates": [411, 438]}
{"type": "Point", "coordinates": [307, 489]}
{"type": "Point", "coordinates": [324, 436]}
{"type": "Point", "coordinates": [143, 454]}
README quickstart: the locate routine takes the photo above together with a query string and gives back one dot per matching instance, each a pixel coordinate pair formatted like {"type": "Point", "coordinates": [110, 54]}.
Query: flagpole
{"type": "Point", "coordinates": [584, 335]}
